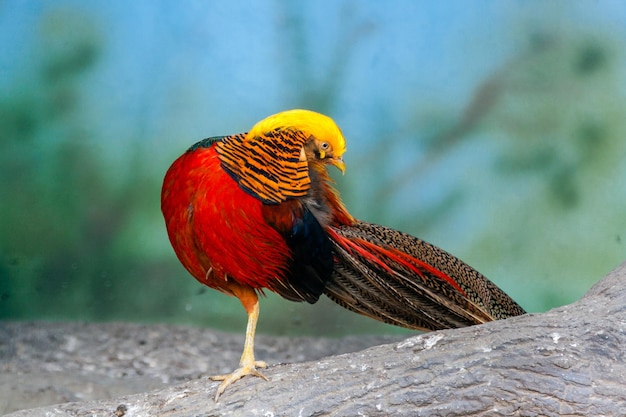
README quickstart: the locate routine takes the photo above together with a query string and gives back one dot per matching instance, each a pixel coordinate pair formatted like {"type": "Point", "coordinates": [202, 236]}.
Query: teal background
{"type": "Point", "coordinates": [493, 129]}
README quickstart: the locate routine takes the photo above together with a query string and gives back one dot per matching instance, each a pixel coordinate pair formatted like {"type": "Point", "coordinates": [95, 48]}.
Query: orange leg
{"type": "Point", "coordinates": [247, 363]}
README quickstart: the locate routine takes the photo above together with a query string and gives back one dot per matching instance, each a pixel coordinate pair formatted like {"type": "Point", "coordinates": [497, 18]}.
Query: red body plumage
{"type": "Point", "coordinates": [211, 217]}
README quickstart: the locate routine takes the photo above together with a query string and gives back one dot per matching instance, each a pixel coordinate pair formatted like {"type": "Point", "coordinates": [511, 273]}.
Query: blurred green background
{"type": "Point", "coordinates": [493, 129]}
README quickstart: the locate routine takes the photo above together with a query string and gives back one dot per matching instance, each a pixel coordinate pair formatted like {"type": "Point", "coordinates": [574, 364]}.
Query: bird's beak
{"type": "Point", "coordinates": [339, 164]}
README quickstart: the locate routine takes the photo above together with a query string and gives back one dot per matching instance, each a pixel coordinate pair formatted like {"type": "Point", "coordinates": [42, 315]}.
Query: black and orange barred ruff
{"type": "Point", "coordinates": [269, 169]}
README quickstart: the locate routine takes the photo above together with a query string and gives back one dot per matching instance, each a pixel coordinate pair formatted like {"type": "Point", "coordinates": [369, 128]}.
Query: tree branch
{"type": "Point", "coordinates": [568, 361]}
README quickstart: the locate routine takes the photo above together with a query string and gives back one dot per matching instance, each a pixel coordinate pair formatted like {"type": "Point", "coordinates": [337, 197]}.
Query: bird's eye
{"type": "Point", "coordinates": [324, 146]}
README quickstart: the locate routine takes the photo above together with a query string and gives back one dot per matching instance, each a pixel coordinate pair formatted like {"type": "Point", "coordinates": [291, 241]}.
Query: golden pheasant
{"type": "Point", "coordinates": [258, 210]}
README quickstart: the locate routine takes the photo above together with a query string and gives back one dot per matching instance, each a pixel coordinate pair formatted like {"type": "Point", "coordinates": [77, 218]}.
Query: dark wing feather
{"type": "Point", "coordinates": [399, 279]}
{"type": "Point", "coordinates": [311, 258]}
{"type": "Point", "coordinates": [205, 143]}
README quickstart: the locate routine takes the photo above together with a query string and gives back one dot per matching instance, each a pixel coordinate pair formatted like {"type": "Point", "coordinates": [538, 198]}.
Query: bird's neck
{"type": "Point", "coordinates": [323, 199]}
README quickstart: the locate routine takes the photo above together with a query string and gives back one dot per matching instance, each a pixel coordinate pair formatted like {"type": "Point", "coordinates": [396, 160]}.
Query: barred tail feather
{"type": "Point", "coordinates": [399, 279]}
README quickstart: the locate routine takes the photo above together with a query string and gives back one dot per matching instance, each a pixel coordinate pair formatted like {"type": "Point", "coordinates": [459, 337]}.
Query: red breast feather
{"type": "Point", "coordinates": [209, 217]}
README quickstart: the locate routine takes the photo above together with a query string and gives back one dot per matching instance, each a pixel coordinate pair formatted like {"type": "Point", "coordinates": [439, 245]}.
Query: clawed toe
{"type": "Point", "coordinates": [228, 379]}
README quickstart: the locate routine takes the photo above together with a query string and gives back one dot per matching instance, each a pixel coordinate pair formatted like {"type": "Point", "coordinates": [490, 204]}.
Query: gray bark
{"type": "Point", "coordinates": [569, 361]}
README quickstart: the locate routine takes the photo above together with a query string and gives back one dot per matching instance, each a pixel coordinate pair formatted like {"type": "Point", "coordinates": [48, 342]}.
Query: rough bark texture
{"type": "Point", "coordinates": [567, 362]}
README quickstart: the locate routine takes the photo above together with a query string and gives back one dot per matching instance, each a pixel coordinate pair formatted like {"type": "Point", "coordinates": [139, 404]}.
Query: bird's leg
{"type": "Point", "coordinates": [247, 363]}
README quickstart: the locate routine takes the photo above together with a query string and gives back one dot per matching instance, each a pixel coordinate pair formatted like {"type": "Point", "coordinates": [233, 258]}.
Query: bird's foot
{"type": "Point", "coordinates": [244, 369]}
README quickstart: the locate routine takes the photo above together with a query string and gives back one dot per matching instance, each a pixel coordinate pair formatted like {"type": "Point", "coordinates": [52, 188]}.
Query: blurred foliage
{"type": "Point", "coordinates": [77, 239]}
{"type": "Point", "coordinates": [61, 235]}
{"type": "Point", "coordinates": [558, 132]}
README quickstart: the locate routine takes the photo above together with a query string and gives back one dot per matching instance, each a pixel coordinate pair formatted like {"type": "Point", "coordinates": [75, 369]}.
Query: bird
{"type": "Point", "coordinates": [259, 211]}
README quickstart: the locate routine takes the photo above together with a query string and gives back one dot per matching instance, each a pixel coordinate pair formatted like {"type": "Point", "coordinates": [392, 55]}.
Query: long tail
{"type": "Point", "coordinates": [399, 279]}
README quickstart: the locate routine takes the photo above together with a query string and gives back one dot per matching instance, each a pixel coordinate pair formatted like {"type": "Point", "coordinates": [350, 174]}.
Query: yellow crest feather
{"type": "Point", "coordinates": [309, 122]}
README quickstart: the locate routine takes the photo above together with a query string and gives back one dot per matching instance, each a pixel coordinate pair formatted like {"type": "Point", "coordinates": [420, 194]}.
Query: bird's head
{"type": "Point", "coordinates": [325, 142]}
